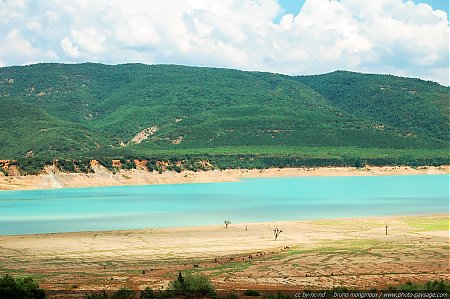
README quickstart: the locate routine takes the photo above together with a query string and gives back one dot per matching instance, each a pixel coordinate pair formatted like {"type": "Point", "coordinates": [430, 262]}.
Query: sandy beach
{"type": "Point", "coordinates": [355, 253]}
{"type": "Point", "coordinates": [102, 177]}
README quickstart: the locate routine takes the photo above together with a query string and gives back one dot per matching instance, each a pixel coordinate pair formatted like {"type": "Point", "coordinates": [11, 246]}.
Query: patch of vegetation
{"type": "Point", "coordinates": [432, 285]}
{"type": "Point", "coordinates": [372, 97]}
{"type": "Point", "coordinates": [190, 285]}
{"type": "Point", "coordinates": [20, 288]}
{"type": "Point", "coordinates": [428, 224]}
{"type": "Point", "coordinates": [229, 157]}
{"type": "Point", "coordinates": [122, 293]}
{"type": "Point", "coordinates": [98, 295]}
{"type": "Point", "coordinates": [353, 224]}
{"type": "Point", "coordinates": [224, 268]}
{"type": "Point", "coordinates": [22, 273]}
{"type": "Point", "coordinates": [279, 295]}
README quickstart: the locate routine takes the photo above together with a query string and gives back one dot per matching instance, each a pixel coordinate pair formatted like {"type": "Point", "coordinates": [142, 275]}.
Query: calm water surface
{"type": "Point", "coordinates": [250, 200]}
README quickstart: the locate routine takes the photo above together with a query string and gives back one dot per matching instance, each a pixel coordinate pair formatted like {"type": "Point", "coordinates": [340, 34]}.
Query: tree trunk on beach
{"type": "Point", "coordinates": [227, 223]}
{"type": "Point", "coordinates": [276, 232]}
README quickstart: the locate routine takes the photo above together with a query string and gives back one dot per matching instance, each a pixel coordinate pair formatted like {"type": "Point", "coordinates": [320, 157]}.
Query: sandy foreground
{"type": "Point", "coordinates": [355, 253]}
{"type": "Point", "coordinates": [103, 177]}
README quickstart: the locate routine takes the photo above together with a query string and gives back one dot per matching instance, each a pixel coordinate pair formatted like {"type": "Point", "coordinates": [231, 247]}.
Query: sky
{"type": "Point", "coordinates": [294, 6]}
{"type": "Point", "coordinates": [295, 37]}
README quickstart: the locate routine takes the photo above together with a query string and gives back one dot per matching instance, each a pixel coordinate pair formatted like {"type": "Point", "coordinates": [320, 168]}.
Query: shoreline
{"type": "Point", "coordinates": [331, 251]}
{"type": "Point", "coordinates": [52, 179]}
{"type": "Point", "coordinates": [173, 229]}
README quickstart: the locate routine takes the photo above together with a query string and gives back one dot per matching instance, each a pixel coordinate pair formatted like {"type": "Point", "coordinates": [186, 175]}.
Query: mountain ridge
{"type": "Point", "coordinates": [65, 110]}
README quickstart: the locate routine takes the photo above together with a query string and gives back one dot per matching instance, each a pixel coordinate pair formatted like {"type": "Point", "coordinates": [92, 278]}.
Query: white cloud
{"type": "Point", "coordinates": [10, 10]}
{"type": "Point", "coordinates": [387, 36]}
{"type": "Point", "coordinates": [17, 49]}
{"type": "Point", "coordinates": [69, 49]}
{"type": "Point", "coordinates": [90, 40]}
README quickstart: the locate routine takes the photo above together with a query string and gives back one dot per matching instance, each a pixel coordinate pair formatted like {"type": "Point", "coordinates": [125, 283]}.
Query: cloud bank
{"type": "Point", "coordinates": [376, 36]}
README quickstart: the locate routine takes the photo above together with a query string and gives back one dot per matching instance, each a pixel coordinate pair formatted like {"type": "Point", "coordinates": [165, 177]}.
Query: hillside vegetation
{"type": "Point", "coordinates": [230, 117]}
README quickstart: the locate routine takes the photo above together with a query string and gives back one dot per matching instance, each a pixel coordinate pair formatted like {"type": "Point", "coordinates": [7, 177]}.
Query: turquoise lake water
{"type": "Point", "coordinates": [250, 200]}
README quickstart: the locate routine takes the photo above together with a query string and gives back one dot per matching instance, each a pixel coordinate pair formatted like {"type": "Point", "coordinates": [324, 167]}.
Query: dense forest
{"type": "Point", "coordinates": [230, 118]}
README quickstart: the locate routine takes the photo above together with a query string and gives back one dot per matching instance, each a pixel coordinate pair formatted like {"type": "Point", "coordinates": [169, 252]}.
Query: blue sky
{"type": "Point", "coordinates": [294, 6]}
{"type": "Point", "coordinates": [436, 4]}
{"type": "Point", "coordinates": [291, 37]}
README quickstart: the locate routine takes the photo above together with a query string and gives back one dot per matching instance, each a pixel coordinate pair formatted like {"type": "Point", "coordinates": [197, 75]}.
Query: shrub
{"type": "Point", "coordinates": [20, 288]}
{"type": "Point", "coordinates": [432, 285]}
{"type": "Point", "coordinates": [192, 285]}
{"type": "Point", "coordinates": [437, 285]}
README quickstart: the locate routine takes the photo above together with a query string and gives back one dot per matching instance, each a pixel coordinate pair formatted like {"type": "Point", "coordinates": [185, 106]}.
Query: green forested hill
{"type": "Point", "coordinates": [93, 110]}
{"type": "Point", "coordinates": [412, 105]}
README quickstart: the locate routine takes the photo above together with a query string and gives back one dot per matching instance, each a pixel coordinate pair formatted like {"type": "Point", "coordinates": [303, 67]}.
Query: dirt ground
{"type": "Point", "coordinates": [53, 178]}
{"type": "Point", "coordinates": [353, 253]}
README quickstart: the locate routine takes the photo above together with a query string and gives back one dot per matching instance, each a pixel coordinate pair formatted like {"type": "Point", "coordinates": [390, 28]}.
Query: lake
{"type": "Point", "coordinates": [249, 200]}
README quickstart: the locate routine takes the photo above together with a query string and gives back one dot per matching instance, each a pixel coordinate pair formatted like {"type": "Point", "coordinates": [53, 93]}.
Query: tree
{"type": "Point", "coordinates": [181, 281]}
{"type": "Point", "coordinates": [227, 222]}
{"type": "Point", "coordinates": [276, 232]}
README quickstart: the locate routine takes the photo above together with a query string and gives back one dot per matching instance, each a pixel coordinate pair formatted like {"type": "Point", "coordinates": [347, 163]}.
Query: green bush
{"type": "Point", "coordinates": [432, 285]}
{"type": "Point", "coordinates": [20, 288]}
{"type": "Point", "coordinates": [32, 165]}
{"type": "Point", "coordinates": [192, 285]}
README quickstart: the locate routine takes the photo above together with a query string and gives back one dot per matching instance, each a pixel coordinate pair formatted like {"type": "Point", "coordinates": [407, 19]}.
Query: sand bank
{"type": "Point", "coordinates": [355, 253]}
{"type": "Point", "coordinates": [103, 177]}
